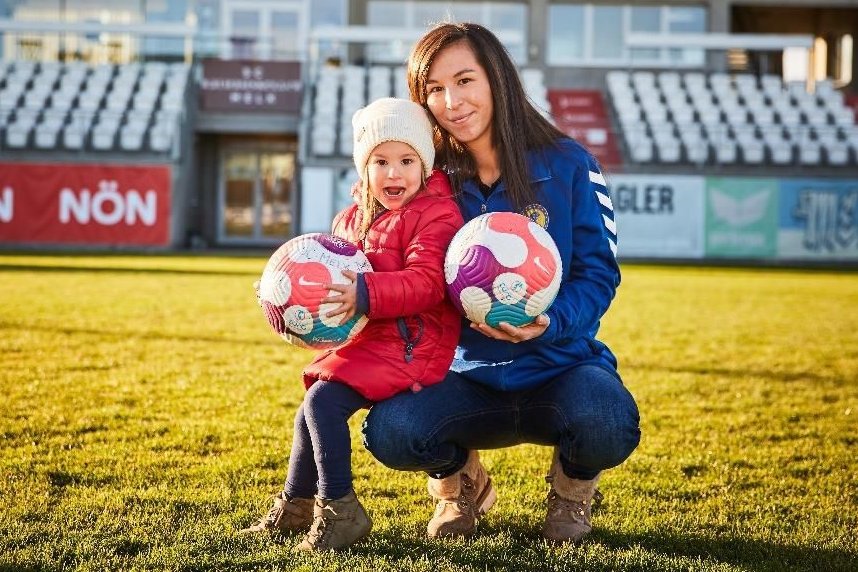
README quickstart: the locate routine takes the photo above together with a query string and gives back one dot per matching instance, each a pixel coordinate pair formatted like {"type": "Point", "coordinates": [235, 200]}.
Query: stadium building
{"type": "Point", "coordinates": [727, 128]}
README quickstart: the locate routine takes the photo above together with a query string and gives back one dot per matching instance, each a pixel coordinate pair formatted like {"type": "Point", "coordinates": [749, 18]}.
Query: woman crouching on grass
{"type": "Point", "coordinates": [404, 223]}
{"type": "Point", "coordinates": [550, 382]}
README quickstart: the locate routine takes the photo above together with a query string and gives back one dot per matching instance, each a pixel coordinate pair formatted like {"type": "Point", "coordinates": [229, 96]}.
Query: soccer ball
{"type": "Point", "coordinates": [291, 289]}
{"type": "Point", "coordinates": [502, 267]}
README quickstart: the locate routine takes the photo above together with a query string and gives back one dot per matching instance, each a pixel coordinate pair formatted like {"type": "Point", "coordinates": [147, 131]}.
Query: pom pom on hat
{"type": "Point", "coordinates": [392, 119]}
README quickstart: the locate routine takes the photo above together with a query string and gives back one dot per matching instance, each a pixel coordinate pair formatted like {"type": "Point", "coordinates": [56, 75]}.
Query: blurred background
{"type": "Point", "coordinates": [725, 128]}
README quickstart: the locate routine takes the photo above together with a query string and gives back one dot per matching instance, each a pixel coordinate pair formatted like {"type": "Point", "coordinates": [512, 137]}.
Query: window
{"type": "Point", "coordinates": [595, 35]}
{"type": "Point", "coordinates": [566, 33]}
{"type": "Point", "coordinates": [507, 20]}
{"type": "Point", "coordinates": [607, 32]}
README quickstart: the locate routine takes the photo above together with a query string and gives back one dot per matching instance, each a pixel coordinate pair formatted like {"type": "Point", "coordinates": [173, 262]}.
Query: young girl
{"type": "Point", "coordinates": [404, 223]}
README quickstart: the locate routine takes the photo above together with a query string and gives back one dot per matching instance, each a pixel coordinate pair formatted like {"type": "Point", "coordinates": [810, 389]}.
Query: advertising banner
{"type": "Point", "coordinates": [85, 204]}
{"type": "Point", "coordinates": [251, 86]}
{"type": "Point", "coordinates": [741, 217]}
{"type": "Point", "coordinates": [658, 216]}
{"type": "Point", "coordinates": [818, 219]}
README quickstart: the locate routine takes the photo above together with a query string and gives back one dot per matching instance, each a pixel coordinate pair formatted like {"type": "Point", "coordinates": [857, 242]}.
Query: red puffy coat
{"type": "Point", "coordinates": [413, 329]}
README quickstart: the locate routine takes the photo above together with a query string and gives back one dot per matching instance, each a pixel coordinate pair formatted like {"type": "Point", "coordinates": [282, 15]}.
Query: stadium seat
{"type": "Point", "coordinates": [753, 151]}
{"type": "Point", "coordinates": [17, 135]}
{"type": "Point", "coordinates": [46, 136]}
{"type": "Point", "coordinates": [131, 138]}
{"type": "Point", "coordinates": [73, 136]}
{"type": "Point", "coordinates": [781, 152]}
{"type": "Point", "coordinates": [836, 153]}
{"type": "Point", "coordinates": [103, 138]}
{"type": "Point", "coordinates": [160, 139]}
{"type": "Point", "coordinates": [696, 151]}
{"type": "Point", "coordinates": [726, 151]}
{"type": "Point", "coordinates": [379, 84]}
{"type": "Point", "coordinates": [810, 152]}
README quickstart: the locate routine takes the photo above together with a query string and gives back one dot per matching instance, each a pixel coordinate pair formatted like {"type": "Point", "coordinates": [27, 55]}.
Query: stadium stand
{"type": "Point", "coordinates": [77, 107]}
{"type": "Point", "coordinates": [727, 119]}
{"type": "Point", "coordinates": [643, 117]}
{"type": "Point", "coordinates": [336, 92]}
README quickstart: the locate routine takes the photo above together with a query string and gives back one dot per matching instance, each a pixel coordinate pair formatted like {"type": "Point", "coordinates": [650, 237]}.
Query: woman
{"type": "Point", "coordinates": [550, 382]}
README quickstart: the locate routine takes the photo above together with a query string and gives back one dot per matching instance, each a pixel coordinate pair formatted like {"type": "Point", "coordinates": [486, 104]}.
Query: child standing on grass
{"type": "Point", "coordinates": [404, 222]}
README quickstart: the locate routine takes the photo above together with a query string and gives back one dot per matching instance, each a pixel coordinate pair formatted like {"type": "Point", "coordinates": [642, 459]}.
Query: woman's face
{"type": "Point", "coordinates": [459, 96]}
{"type": "Point", "coordinates": [395, 174]}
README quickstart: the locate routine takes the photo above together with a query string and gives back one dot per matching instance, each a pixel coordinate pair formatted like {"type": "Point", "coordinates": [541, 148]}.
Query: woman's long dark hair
{"type": "Point", "coordinates": [516, 124]}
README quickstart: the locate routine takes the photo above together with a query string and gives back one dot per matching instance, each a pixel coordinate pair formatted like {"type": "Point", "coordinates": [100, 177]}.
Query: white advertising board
{"type": "Point", "coordinates": [658, 216]}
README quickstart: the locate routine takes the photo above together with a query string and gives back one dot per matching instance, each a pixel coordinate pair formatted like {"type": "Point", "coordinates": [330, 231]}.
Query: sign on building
{"type": "Point", "coordinates": [251, 86]}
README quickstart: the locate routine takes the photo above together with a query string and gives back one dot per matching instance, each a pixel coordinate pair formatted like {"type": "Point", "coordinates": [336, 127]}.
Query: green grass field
{"type": "Point", "coordinates": [147, 410]}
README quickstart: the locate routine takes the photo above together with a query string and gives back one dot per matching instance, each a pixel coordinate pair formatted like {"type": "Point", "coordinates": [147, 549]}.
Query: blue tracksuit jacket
{"type": "Point", "coordinates": [573, 204]}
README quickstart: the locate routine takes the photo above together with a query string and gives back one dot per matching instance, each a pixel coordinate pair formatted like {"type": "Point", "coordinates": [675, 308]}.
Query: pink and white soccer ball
{"type": "Point", "coordinates": [502, 267]}
{"type": "Point", "coordinates": [292, 287]}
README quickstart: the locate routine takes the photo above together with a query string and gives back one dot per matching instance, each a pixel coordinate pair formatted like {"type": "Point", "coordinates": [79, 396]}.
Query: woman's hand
{"type": "Point", "coordinates": [346, 298]}
{"type": "Point", "coordinates": [512, 334]}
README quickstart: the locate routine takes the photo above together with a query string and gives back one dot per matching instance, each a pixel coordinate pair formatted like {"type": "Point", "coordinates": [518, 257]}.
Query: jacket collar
{"type": "Point", "coordinates": [537, 166]}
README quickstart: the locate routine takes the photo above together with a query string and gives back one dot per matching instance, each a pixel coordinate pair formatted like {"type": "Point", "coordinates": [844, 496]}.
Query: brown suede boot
{"type": "Point", "coordinates": [336, 524]}
{"type": "Point", "coordinates": [570, 505]}
{"type": "Point", "coordinates": [285, 515]}
{"type": "Point", "coordinates": [462, 498]}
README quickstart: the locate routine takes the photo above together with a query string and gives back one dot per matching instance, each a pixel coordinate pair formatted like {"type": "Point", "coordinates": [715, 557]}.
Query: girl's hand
{"type": "Point", "coordinates": [512, 334]}
{"type": "Point", "coordinates": [346, 298]}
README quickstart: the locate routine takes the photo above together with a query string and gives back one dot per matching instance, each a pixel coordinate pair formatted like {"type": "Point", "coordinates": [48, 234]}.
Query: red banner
{"type": "Point", "coordinates": [111, 205]}
{"type": "Point", "coordinates": [581, 114]}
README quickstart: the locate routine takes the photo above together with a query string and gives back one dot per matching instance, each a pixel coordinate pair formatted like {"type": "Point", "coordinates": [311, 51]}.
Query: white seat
{"type": "Point", "coordinates": [54, 119]}
{"type": "Point", "coordinates": [810, 153]}
{"type": "Point", "coordinates": [726, 151]}
{"type": "Point", "coordinates": [745, 133]}
{"type": "Point", "coordinates": [696, 151]}
{"type": "Point", "coordinates": [752, 151]}
{"type": "Point", "coordinates": [46, 136]}
{"type": "Point", "coordinates": [323, 142]}
{"type": "Point", "coordinates": [763, 116]}
{"type": "Point", "coordinates": [837, 152]}
{"type": "Point", "coordinates": [656, 114]}
{"type": "Point", "coordinates": [73, 136]}
{"type": "Point", "coordinates": [103, 137]}
{"type": "Point", "coordinates": [844, 117]}
{"type": "Point", "coordinates": [642, 152]}
{"type": "Point", "coordinates": [131, 138]}
{"type": "Point", "coordinates": [17, 135]}
{"type": "Point", "coordinates": [160, 139]}
{"type": "Point", "coordinates": [781, 153]}
{"type": "Point", "coordinates": [668, 150]}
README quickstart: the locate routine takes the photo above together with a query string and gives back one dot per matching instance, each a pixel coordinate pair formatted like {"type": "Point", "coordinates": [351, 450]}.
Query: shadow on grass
{"type": "Point", "coordinates": [783, 376]}
{"type": "Point", "coordinates": [124, 270]}
{"type": "Point", "coordinates": [514, 548]}
{"type": "Point", "coordinates": [521, 548]}
{"type": "Point", "coordinates": [129, 335]}
{"type": "Point", "coordinates": [746, 553]}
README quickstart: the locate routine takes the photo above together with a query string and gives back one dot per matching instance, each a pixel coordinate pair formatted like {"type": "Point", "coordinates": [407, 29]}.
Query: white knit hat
{"type": "Point", "coordinates": [392, 119]}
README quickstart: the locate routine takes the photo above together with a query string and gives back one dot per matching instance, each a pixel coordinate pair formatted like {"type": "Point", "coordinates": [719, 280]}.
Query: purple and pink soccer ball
{"type": "Point", "coordinates": [292, 287]}
{"type": "Point", "coordinates": [502, 267]}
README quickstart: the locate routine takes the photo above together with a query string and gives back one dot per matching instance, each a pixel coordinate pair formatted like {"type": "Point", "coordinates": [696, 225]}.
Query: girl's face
{"type": "Point", "coordinates": [395, 174]}
{"type": "Point", "coordinates": [459, 96]}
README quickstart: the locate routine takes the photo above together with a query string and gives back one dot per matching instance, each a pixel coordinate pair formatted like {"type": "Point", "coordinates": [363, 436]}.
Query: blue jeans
{"type": "Point", "coordinates": [587, 413]}
{"type": "Point", "coordinates": [321, 458]}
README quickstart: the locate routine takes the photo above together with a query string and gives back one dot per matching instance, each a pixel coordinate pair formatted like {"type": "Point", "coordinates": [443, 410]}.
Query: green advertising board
{"type": "Point", "coordinates": [741, 217]}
